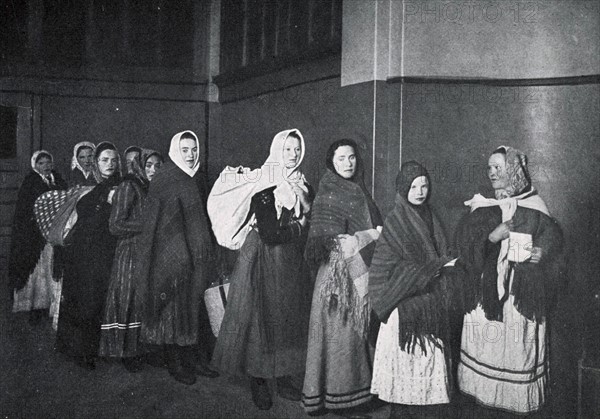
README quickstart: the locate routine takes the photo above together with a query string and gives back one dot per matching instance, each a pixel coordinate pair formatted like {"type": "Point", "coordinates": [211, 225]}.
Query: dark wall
{"type": "Point", "coordinates": [452, 129]}
{"type": "Point", "coordinates": [148, 123]}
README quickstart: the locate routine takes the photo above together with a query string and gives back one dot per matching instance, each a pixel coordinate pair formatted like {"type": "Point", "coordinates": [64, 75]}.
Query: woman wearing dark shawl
{"type": "Point", "coordinates": [265, 327]}
{"type": "Point", "coordinates": [174, 256]}
{"type": "Point", "coordinates": [30, 263]}
{"type": "Point", "coordinates": [121, 322]}
{"type": "Point", "coordinates": [410, 297]}
{"type": "Point", "coordinates": [510, 256]}
{"type": "Point", "coordinates": [82, 165]}
{"type": "Point", "coordinates": [341, 241]}
{"type": "Point", "coordinates": [89, 253]}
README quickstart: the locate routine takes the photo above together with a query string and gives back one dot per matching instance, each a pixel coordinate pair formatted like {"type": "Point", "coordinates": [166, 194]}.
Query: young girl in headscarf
{"type": "Point", "coordinates": [121, 322]}
{"type": "Point", "coordinates": [264, 331]}
{"type": "Point", "coordinates": [345, 225]}
{"type": "Point", "coordinates": [174, 258]}
{"type": "Point", "coordinates": [89, 253]}
{"type": "Point", "coordinates": [510, 288]}
{"type": "Point", "coordinates": [30, 266]}
{"type": "Point", "coordinates": [411, 298]}
{"type": "Point", "coordinates": [82, 164]}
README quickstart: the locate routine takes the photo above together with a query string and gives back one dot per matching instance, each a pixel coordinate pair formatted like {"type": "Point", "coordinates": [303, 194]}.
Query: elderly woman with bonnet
{"type": "Point", "coordinates": [30, 265]}
{"type": "Point", "coordinates": [510, 258]}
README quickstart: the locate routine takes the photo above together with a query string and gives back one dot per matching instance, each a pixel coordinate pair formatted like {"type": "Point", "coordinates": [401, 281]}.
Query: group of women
{"type": "Point", "coordinates": [326, 299]}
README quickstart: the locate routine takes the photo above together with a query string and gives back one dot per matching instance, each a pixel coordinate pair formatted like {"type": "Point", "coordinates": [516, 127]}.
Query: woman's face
{"type": "Point", "coordinates": [189, 151]}
{"type": "Point", "coordinates": [497, 171]}
{"type": "Point", "coordinates": [419, 188]}
{"type": "Point", "coordinates": [344, 161]}
{"type": "Point", "coordinates": [85, 157]}
{"type": "Point", "coordinates": [152, 165]}
{"type": "Point", "coordinates": [292, 150]}
{"type": "Point", "coordinates": [43, 165]}
{"type": "Point", "coordinates": [129, 158]}
{"type": "Point", "coordinates": [107, 163]}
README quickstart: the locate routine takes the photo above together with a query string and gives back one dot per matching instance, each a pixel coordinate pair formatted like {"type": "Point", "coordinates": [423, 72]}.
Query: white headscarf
{"type": "Point", "coordinates": [230, 198]}
{"type": "Point", "coordinates": [177, 157]}
{"type": "Point", "coordinates": [34, 158]}
{"type": "Point", "coordinates": [75, 162]}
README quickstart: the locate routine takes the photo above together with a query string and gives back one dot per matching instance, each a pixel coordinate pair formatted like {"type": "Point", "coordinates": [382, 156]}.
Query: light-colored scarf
{"type": "Point", "coordinates": [177, 157]}
{"type": "Point", "coordinates": [49, 180]}
{"type": "Point", "coordinates": [75, 162]}
{"type": "Point", "coordinates": [508, 206]}
{"type": "Point", "coordinates": [230, 198]}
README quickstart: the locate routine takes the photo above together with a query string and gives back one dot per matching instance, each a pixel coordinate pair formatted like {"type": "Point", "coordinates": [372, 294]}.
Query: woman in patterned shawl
{"type": "Point", "coordinates": [510, 288]}
{"type": "Point", "coordinates": [341, 241]}
{"type": "Point", "coordinates": [410, 297]}
{"type": "Point", "coordinates": [89, 253]}
{"type": "Point", "coordinates": [122, 319]}
{"type": "Point", "coordinates": [31, 258]}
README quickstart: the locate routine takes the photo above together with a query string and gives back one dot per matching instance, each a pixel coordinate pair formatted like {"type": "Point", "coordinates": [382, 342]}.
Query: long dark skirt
{"type": "Point", "coordinates": [88, 260]}
{"type": "Point", "coordinates": [265, 328]}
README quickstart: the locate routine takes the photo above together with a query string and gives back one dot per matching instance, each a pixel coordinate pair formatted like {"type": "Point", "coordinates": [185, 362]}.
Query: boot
{"type": "Point", "coordinates": [260, 393]}
{"type": "Point", "coordinates": [175, 365]}
{"type": "Point", "coordinates": [202, 366]}
{"type": "Point", "coordinates": [287, 390]}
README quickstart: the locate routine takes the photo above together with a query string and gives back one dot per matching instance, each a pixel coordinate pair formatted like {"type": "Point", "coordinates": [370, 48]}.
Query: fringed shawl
{"type": "Point", "coordinates": [534, 286]}
{"type": "Point", "coordinates": [341, 207]}
{"type": "Point", "coordinates": [404, 274]}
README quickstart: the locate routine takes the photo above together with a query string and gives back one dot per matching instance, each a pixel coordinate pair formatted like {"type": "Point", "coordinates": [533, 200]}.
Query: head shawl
{"type": "Point", "coordinates": [358, 177]}
{"type": "Point", "coordinates": [34, 158]}
{"type": "Point", "coordinates": [230, 198]}
{"type": "Point", "coordinates": [135, 167]}
{"type": "Point", "coordinates": [75, 162]}
{"type": "Point", "coordinates": [103, 146]}
{"type": "Point", "coordinates": [517, 171]}
{"type": "Point", "coordinates": [177, 157]}
{"type": "Point", "coordinates": [407, 175]}
{"type": "Point", "coordinates": [146, 154]}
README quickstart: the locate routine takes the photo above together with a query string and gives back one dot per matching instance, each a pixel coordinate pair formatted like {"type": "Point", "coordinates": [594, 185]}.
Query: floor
{"type": "Point", "coordinates": [38, 382]}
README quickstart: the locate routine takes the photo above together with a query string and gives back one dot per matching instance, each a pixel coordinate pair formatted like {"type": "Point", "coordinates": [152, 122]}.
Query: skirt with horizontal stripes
{"type": "Point", "coordinates": [121, 321]}
{"type": "Point", "coordinates": [504, 364]}
{"type": "Point", "coordinates": [339, 359]}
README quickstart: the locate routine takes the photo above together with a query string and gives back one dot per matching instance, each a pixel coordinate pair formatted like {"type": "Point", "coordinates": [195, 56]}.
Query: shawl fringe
{"type": "Point", "coordinates": [341, 295]}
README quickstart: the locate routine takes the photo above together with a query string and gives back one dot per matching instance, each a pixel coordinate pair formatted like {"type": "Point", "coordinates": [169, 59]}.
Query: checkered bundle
{"type": "Point", "coordinates": [53, 209]}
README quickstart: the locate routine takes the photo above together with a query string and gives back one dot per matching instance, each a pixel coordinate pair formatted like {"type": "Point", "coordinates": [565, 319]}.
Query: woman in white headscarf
{"type": "Point", "coordinates": [174, 256]}
{"type": "Point", "coordinates": [82, 164]}
{"type": "Point", "coordinates": [264, 331]}
{"type": "Point", "coordinates": [30, 260]}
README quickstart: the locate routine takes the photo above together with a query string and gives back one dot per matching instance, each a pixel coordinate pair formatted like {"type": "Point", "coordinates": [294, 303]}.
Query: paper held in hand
{"type": "Point", "coordinates": [519, 246]}
{"type": "Point", "coordinates": [451, 263]}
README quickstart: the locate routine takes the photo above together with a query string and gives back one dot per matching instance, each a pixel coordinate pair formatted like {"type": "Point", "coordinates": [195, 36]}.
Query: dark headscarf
{"type": "Point", "coordinates": [358, 177]}
{"type": "Point", "coordinates": [116, 177]}
{"type": "Point", "coordinates": [407, 175]}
